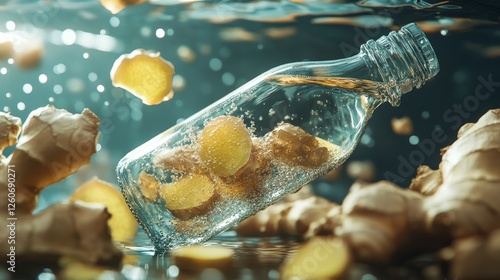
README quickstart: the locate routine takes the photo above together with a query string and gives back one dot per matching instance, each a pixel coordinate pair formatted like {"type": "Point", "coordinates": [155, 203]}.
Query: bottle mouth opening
{"type": "Point", "coordinates": [422, 43]}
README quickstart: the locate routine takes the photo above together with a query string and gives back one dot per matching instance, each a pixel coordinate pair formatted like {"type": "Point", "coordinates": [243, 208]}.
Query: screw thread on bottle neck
{"type": "Point", "coordinates": [402, 60]}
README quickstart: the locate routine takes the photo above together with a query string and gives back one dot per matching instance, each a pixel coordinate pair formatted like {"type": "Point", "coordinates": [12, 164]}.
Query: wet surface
{"type": "Point", "coordinates": [217, 46]}
{"type": "Point", "coordinates": [254, 258]}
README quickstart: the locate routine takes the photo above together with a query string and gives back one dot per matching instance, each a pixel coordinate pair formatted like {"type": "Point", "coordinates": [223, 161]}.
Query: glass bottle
{"type": "Point", "coordinates": [266, 139]}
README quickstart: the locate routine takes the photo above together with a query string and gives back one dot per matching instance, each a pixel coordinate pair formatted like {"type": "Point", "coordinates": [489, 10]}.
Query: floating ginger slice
{"type": "Point", "coordinates": [292, 143]}
{"type": "Point", "coordinates": [122, 223]}
{"type": "Point", "coordinates": [198, 257]}
{"type": "Point", "coordinates": [145, 75]}
{"type": "Point", "coordinates": [115, 6]}
{"type": "Point", "coordinates": [190, 196]}
{"type": "Point", "coordinates": [402, 126]}
{"type": "Point", "coordinates": [225, 145]}
{"type": "Point", "coordinates": [319, 258]}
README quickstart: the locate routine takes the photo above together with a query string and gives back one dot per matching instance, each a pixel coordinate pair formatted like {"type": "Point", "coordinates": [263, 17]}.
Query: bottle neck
{"type": "Point", "coordinates": [402, 60]}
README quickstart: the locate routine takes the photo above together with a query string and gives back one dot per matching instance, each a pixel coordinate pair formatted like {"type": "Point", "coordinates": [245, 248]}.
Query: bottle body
{"type": "Point", "coordinates": [261, 142]}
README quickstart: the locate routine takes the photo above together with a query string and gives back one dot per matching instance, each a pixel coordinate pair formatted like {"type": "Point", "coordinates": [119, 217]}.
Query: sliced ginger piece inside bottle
{"type": "Point", "coordinates": [225, 145]}
{"type": "Point", "coordinates": [197, 258]}
{"type": "Point", "coordinates": [145, 75]}
{"type": "Point", "coordinates": [149, 186]}
{"type": "Point", "coordinates": [191, 196]}
{"type": "Point", "coordinates": [293, 144]}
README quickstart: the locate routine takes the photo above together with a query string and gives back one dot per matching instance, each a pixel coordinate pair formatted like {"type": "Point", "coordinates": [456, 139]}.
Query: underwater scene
{"type": "Point", "coordinates": [401, 174]}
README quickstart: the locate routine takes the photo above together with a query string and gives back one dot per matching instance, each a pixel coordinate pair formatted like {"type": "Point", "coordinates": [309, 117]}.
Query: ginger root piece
{"type": "Point", "coordinates": [145, 75]}
{"type": "Point", "coordinates": [26, 52]}
{"type": "Point", "coordinates": [319, 258]}
{"type": "Point", "coordinates": [74, 269]}
{"type": "Point", "coordinates": [6, 46]}
{"type": "Point", "coordinates": [149, 185]}
{"type": "Point", "coordinates": [53, 144]}
{"type": "Point", "coordinates": [10, 127]}
{"type": "Point", "coordinates": [65, 229]}
{"type": "Point", "coordinates": [402, 126]}
{"type": "Point", "coordinates": [477, 257]}
{"type": "Point", "coordinates": [225, 145]}
{"type": "Point", "coordinates": [191, 196]}
{"type": "Point", "coordinates": [427, 180]}
{"type": "Point", "coordinates": [334, 174]}
{"type": "Point", "coordinates": [285, 219]}
{"type": "Point", "coordinates": [380, 219]}
{"type": "Point", "coordinates": [122, 224]}
{"type": "Point", "coordinates": [382, 222]}
{"type": "Point", "coordinates": [197, 258]}
{"type": "Point", "coordinates": [467, 201]}
{"type": "Point", "coordinates": [179, 159]}
{"type": "Point", "coordinates": [186, 54]}
{"type": "Point", "coordinates": [29, 54]}
{"type": "Point", "coordinates": [291, 143]}
{"type": "Point", "coordinates": [116, 6]}
{"type": "Point", "coordinates": [361, 170]}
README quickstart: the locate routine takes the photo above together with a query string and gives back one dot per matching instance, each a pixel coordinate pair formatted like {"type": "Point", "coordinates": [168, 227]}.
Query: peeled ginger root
{"type": "Point", "coordinates": [197, 258]}
{"type": "Point", "coordinates": [145, 75]}
{"type": "Point", "coordinates": [122, 223]}
{"type": "Point", "coordinates": [319, 258]}
{"type": "Point", "coordinates": [225, 145]}
{"type": "Point", "coordinates": [190, 196]}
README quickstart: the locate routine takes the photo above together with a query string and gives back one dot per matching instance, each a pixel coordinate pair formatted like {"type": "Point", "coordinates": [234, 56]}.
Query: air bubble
{"type": "Point", "coordinates": [414, 140]}
{"type": "Point", "coordinates": [215, 64]}
{"type": "Point", "coordinates": [27, 88]}
{"type": "Point", "coordinates": [160, 33]}
{"type": "Point", "coordinates": [42, 78]}
{"type": "Point", "coordinates": [21, 106]}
